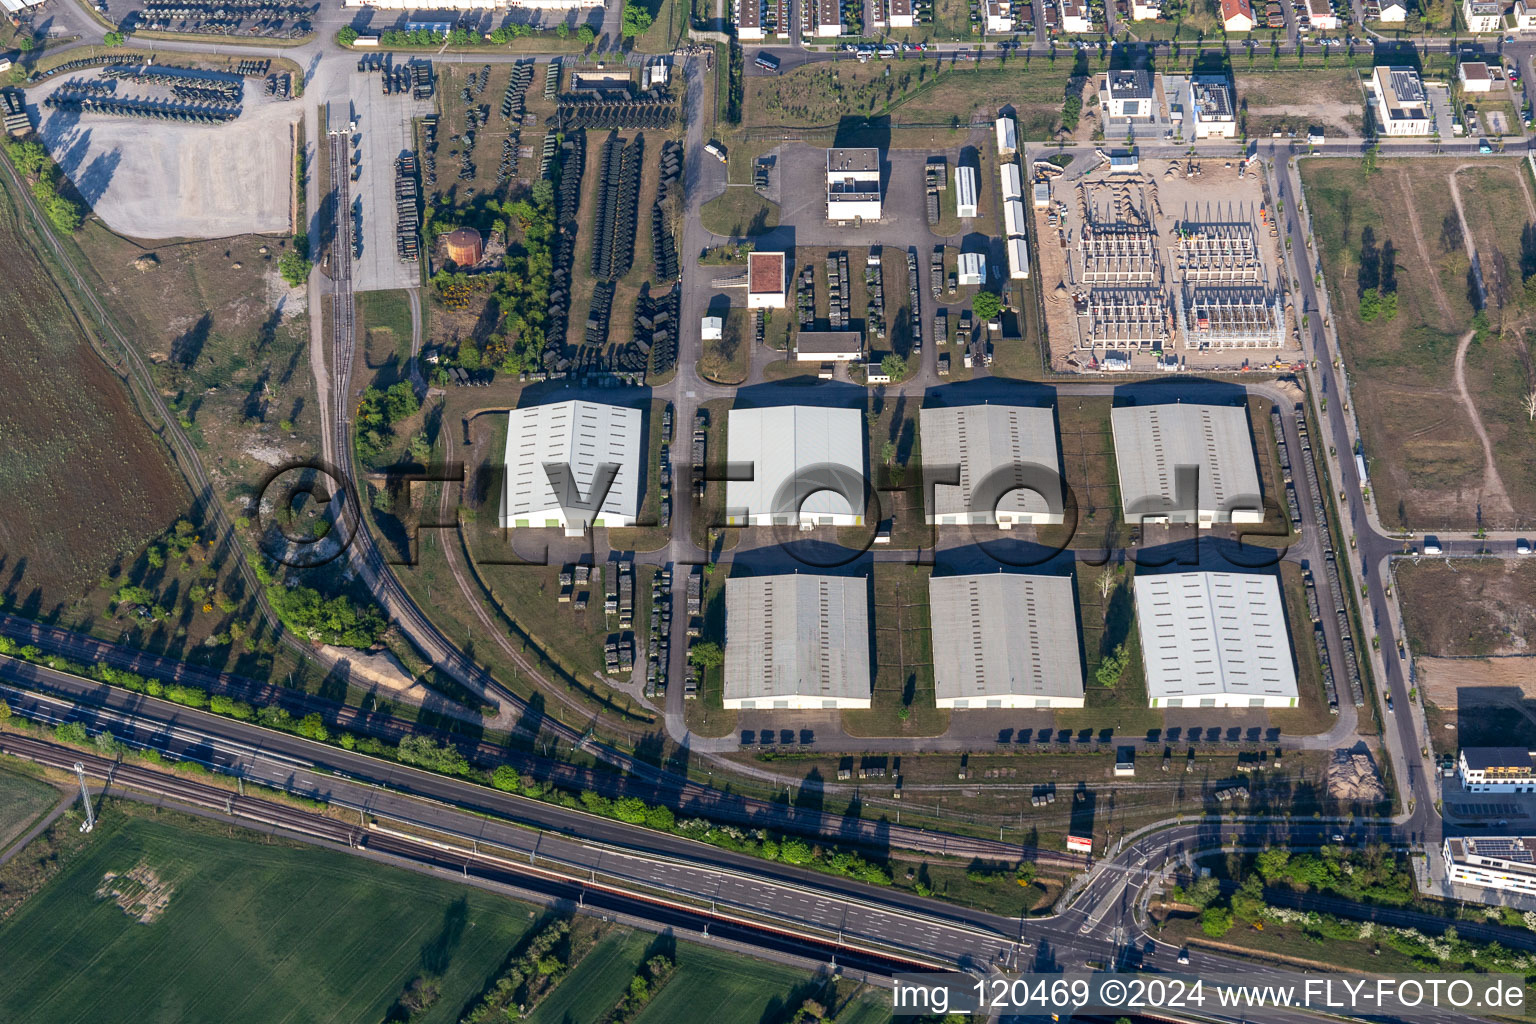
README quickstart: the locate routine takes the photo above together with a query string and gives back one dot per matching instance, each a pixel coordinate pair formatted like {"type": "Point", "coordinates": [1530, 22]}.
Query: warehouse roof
{"type": "Point", "coordinates": [803, 458]}
{"type": "Point", "coordinates": [1210, 633]}
{"type": "Point", "coordinates": [1154, 442]}
{"type": "Point", "coordinates": [800, 635]}
{"type": "Point", "coordinates": [1000, 634]}
{"type": "Point", "coordinates": [554, 455]}
{"type": "Point", "coordinates": [995, 446]}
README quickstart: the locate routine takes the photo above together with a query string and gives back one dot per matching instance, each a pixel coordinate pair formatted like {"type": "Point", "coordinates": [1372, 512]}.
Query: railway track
{"type": "Point", "coordinates": [586, 895]}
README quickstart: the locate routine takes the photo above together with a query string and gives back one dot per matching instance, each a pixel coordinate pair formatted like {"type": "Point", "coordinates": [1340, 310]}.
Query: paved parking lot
{"type": "Point", "coordinates": [384, 125]}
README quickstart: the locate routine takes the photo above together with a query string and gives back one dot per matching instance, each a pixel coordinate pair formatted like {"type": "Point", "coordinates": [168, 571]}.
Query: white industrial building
{"type": "Point", "coordinates": [1186, 464]}
{"type": "Point", "coordinates": [1214, 640]}
{"type": "Point", "coordinates": [1210, 108]}
{"type": "Point", "coordinates": [1501, 863]}
{"type": "Point", "coordinates": [1496, 770]}
{"type": "Point", "coordinates": [991, 464]}
{"type": "Point", "coordinates": [797, 642]}
{"type": "Point", "coordinates": [853, 185]}
{"type": "Point", "coordinates": [1013, 181]}
{"type": "Point", "coordinates": [972, 268]}
{"type": "Point", "coordinates": [829, 346]}
{"type": "Point", "coordinates": [1018, 259]}
{"type": "Point", "coordinates": [765, 280]}
{"type": "Point", "coordinates": [807, 466]}
{"type": "Point", "coordinates": [1402, 105]}
{"type": "Point", "coordinates": [1007, 137]}
{"type": "Point", "coordinates": [1002, 640]}
{"type": "Point", "coordinates": [966, 191]}
{"type": "Point", "coordinates": [1014, 218]}
{"type": "Point", "coordinates": [571, 465]}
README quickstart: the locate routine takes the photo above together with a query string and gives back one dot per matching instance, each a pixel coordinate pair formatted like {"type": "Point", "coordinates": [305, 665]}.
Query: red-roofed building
{"type": "Point", "coordinates": [1237, 15]}
{"type": "Point", "coordinates": [765, 280]}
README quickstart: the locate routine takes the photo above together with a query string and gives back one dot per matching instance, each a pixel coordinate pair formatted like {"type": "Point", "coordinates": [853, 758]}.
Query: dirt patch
{"type": "Point", "coordinates": [1282, 101]}
{"type": "Point", "coordinates": [1480, 609]}
{"type": "Point", "coordinates": [141, 893]}
{"type": "Point", "coordinates": [1443, 679]}
{"type": "Point", "coordinates": [380, 669]}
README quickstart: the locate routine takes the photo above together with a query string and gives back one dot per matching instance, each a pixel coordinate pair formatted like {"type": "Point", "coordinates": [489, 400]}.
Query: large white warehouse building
{"type": "Point", "coordinates": [572, 465]}
{"type": "Point", "coordinates": [1186, 464]}
{"type": "Point", "coordinates": [807, 466]}
{"type": "Point", "coordinates": [1214, 640]}
{"type": "Point", "coordinates": [1002, 640]}
{"type": "Point", "coordinates": [991, 464]}
{"type": "Point", "coordinates": [798, 641]}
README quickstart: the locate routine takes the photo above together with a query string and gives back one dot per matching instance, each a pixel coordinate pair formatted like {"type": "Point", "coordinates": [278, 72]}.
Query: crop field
{"type": "Point", "coordinates": [23, 800]}
{"type": "Point", "coordinates": [598, 982]}
{"type": "Point", "coordinates": [724, 989]}
{"type": "Point", "coordinates": [1429, 468]}
{"type": "Point", "coordinates": [85, 481]}
{"type": "Point", "coordinates": [170, 916]}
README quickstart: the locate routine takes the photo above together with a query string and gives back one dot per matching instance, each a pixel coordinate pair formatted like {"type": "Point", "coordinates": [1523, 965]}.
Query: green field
{"type": "Point", "coordinates": [725, 989]}
{"type": "Point", "coordinates": [22, 801]}
{"type": "Point", "coordinates": [597, 983]}
{"type": "Point", "coordinates": [251, 932]}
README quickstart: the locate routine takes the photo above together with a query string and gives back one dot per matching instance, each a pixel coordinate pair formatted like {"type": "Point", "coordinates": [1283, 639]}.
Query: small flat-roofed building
{"type": "Point", "coordinates": [1002, 640]}
{"type": "Point", "coordinates": [1214, 640]}
{"type": "Point", "coordinates": [971, 268]}
{"type": "Point", "coordinates": [1402, 105]}
{"type": "Point", "coordinates": [901, 14]}
{"type": "Point", "coordinates": [1075, 16]}
{"type": "Point", "coordinates": [712, 328]}
{"type": "Point", "coordinates": [829, 17]}
{"type": "Point", "coordinates": [1211, 111]}
{"type": "Point", "coordinates": [1127, 94]}
{"type": "Point", "coordinates": [1500, 863]}
{"type": "Point", "coordinates": [829, 346]}
{"type": "Point", "coordinates": [572, 465]}
{"type": "Point", "coordinates": [1007, 137]}
{"type": "Point", "coordinates": [1474, 76]}
{"type": "Point", "coordinates": [1042, 194]}
{"type": "Point", "coordinates": [853, 185]}
{"type": "Point", "coordinates": [1321, 13]}
{"type": "Point", "coordinates": [990, 464]}
{"type": "Point", "coordinates": [1496, 770]}
{"type": "Point", "coordinates": [765, 280]}
{"type": "Point", "coordinates": [1014, 218]}
{"type": "Point", "coordinates": [1018, 259]}
{"type": "Point", "coordinates": [807, 466]}
{"type": "Point", "coordinates": [1237, 15]}
{"type": "Point", "coordinates": [966, 191]}
{"type": "Point", "coordinates": [1483, 15]}
{"type": "Point", "coordinates": [1186, 464]}
{"type": "Point", "coordinates": [797, 642]}
{"type": "Point", "coordinates": [999, 17]}
{"type": "Point", "coordinates": [749, 19]}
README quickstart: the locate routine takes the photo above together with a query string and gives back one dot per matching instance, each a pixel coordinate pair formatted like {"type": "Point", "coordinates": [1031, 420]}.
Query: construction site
{"type": "Point", "coordinates": [1177, 266]}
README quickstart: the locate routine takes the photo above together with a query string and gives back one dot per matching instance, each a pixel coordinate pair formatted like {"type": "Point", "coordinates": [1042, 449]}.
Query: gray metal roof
{"type": "Point", "coordinates": [1154, 442]}
{"type": "Point", "coordinates": [804, 458]}
{"type": "Point", "coordinates": [797, 636]}
{"type": "Point", "coordinates": [1000, 634]}
{"type": "Point", "coordinates": [1008, 445]}
{"type": "Point", "coordinates": [1210, 633]}
{"type": "Point", "coordinates": [553, 457]}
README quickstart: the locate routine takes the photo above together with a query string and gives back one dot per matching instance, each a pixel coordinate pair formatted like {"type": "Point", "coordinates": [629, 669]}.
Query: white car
{"type": "Point", "coordinates": [1522, 547]}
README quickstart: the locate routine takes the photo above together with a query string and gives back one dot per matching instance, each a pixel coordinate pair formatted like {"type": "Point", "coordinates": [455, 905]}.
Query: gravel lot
{"type": "Point", "coordinates": [155, 179]}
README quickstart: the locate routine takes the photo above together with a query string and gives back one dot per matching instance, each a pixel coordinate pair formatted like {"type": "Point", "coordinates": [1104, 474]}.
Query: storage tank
{"type": "Point", "coordinates": [464, 246]}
